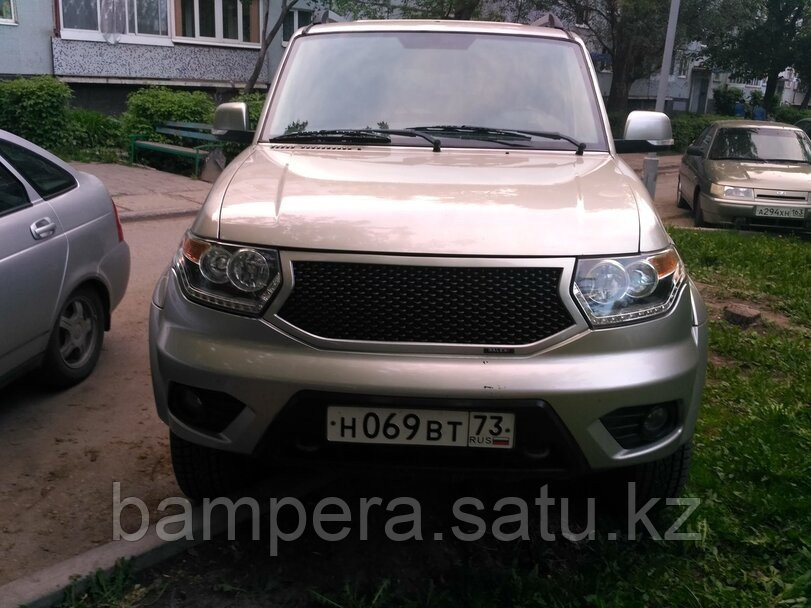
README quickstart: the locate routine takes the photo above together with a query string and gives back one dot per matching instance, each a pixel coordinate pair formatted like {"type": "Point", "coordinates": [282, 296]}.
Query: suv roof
{"type": "Point", "coordinates": [437, 25]}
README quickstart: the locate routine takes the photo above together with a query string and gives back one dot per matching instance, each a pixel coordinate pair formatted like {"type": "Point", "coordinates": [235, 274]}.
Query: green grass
{"type": "Point", "coordinates": [766, 268]}
{"type": "Point", "coordinates": [751, 469]}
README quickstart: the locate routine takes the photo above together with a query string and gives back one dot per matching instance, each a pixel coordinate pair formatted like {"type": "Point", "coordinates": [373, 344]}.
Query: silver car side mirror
{"type": "Point", "coordinates": [645, 132]}
{"type": "Point", "coordinates": [232, 123]}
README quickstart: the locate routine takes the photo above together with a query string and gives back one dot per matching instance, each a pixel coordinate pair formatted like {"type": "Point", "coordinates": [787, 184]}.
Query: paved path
{"type": "Point", "coordinates": [144, 193]}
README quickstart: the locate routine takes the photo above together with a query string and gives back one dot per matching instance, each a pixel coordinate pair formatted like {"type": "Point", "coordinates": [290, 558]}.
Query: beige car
{"type": "Point", "coordinates": [748, 173]}
{"type": "Point", "coordinates": [430, 255]}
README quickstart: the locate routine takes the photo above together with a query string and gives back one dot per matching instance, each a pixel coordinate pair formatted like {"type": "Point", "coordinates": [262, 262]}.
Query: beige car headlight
{"type": "Point", "coordinates": [232, 277]}
{"type": "Point", "coordinates": [731, 191]}
{"type": "Point", "coordinates": [617, 290]}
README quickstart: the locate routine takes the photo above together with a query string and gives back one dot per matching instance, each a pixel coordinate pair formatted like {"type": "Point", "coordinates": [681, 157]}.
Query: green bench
{"type": "Point", "coordinates": [196, 131]}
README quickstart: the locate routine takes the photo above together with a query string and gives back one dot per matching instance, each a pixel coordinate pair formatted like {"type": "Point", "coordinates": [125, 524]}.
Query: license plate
{"type": "Point", "coordinates": [420, 427]}
{"type": "Point", "coordinates": [789, 212]}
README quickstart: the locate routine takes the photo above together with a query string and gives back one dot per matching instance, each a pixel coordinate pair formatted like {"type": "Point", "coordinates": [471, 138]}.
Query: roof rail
{"type": "Point", "coordinates": [553, 21]}
{"type": "Point", "coordinates": [324, 16]}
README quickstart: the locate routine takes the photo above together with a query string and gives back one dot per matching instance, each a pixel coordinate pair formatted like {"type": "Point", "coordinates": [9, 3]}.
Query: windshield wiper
{"type": "Point", "coordinates": [411, 133]}
{"type": "Point", "coordinates": [345, 136]}
{"type": "Point", "coordinates": [355, 136]}
{"type": "Point", "coordinates": [787, 161]}
{"type": "Point", "coordinates": [488, 134]}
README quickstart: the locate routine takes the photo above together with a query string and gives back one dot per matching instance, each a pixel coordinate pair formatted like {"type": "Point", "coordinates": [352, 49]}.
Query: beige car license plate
{"type": "Point", "coordinates": [787, 212]}
{"type": "Point", "coordinates": [420, 427]}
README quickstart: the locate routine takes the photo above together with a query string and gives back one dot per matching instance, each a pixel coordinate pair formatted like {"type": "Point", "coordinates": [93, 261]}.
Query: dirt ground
{"type": "Point", "coordinates": [61, 452]}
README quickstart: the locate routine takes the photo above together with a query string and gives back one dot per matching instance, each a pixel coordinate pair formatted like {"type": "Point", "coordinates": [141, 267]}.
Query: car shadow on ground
{"type": "Point", "coordinates": [382, 557]}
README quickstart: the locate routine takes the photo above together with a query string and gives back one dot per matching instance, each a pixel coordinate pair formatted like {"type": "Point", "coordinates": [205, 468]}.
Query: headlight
{"type": "Point", "coordinates": [612, 291]}
{"type": "Point", "coordinates": [235, 278]}
{"type": "Point", "coordinates": [731, 191]}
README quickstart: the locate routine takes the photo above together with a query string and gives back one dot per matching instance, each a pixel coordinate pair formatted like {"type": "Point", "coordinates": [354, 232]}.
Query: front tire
{"type": "Point", "coordinates": [76, 339]}
{"type": "Point", "coordinates": [681, 203]}
{"type": "Point", "coordinates": [203, 472]}
{"type": "Point", "coordinates": [698, 213]}
{"type": "Point", "coordinates": [661, 479]}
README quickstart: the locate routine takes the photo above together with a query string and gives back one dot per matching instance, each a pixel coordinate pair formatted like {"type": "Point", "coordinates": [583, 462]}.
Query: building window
{"type": "Point", "coordinates": [680, 65]}
{"type": "Point", "coordinates": [293, 21]}
{"type": "Point", "coordinates": [133, 17]}
{"type": "Point", "coordinates": [581, 16]}
{"type": "Point", "coordinates": [80, 14]}
{"type": "Point", "coordinates": [228, 21]}
{"type": "Point", "coordinates": [8, 16]}
{"type": "Point", "coordinates": [148, 17]}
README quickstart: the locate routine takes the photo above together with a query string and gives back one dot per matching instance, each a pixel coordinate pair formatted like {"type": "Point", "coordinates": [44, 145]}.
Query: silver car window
{"type": "Point", "coordinates": [12, 192]}
{"type": "Point", "coordinates": [44, 176]}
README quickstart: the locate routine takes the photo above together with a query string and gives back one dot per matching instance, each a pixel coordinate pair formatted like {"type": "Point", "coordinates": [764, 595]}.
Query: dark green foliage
{"type": "Point", "coordinates": [790, 115]}
{"type": "Point", "coordinates": [686, 127]}
{"type": "Point", "coordinates": [616, 121]}
{"type": "Point", "coordinates": [255, 101]}
{"type": "Point", "coordinates": [36, 109]}
{"type": "Point", "coordinates": [89, 129]}
{"type": "Point", "coordinates": [150, 106]}
{"type": "Point", "coordinates": [725, 98]}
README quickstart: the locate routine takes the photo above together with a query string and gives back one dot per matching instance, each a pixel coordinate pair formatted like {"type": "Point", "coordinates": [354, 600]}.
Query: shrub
{"type": "Point", "coordinates": [91, 129]}
{"type": "Point", "coordinates": [686, 127]}
{"type": "Point", "coordinates": [36, 109]}
{"type": "Point", "coordinates": [790, 115]}
{"type": "Point", "coordinates": [755, 98]}
{"type": "Point", "coordinates": [150, 106]}
{"type": "Point", "coordinates": [725, 98]}
{"type": "Point", "coordinates": [255, 101]}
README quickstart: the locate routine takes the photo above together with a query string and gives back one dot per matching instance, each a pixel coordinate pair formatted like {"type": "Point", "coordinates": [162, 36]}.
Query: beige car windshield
{"type": "Point", "coordinates": [399, 80]}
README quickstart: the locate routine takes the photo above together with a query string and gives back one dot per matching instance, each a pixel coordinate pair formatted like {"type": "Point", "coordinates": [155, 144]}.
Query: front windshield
{"type": "Point", "coordinates": [401, 80]}
{"type": "Point", "coordinates": [761, 144]}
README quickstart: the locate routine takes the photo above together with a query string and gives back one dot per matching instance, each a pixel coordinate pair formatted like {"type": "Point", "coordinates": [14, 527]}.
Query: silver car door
{"type": "Point", "coordinates": [33, 254]}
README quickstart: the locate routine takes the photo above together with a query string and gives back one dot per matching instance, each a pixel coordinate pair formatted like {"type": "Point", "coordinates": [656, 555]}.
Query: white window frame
{"type": "Point", "coordinates": [296, 26]}
{"type": "Point", "coordinates": [97, 36]}
{"type": "Point", "coordinates": [218, 39]}
{"type": "Point", "coordinates": [13, 20]}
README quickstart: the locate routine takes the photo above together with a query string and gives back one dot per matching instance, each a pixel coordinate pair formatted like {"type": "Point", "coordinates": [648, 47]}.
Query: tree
{"type": "Point", "coordinates": [758, 38]}
{"type": "Point", "coordinates": [802, 58]}
{"type": "Point", "coordinates": [267, 38]}
{"type": "Point", "coordinates": [409, 9]}
{"type": "Point", "coordinates": [632, 32]}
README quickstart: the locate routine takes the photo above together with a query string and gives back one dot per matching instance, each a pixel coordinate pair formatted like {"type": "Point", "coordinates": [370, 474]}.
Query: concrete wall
{"type": "Point", "coordinates": [181, 62]}
{"type": "Point", "coordinates": [25, 48]}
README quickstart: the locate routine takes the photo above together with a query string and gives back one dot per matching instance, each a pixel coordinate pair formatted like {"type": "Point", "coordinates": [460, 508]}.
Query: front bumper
{"type": "Point", "coordinates": [580, 379]}
{"type": "Point", "coordinates": [726, 211]}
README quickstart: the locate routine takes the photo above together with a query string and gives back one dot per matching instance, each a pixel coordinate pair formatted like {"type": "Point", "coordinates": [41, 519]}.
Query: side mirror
{"type": "Point", "coordinates": [694, 151]}
{"type": "Point", "coordinates": [645, 132]}
{"type": "Point", "coordinates": [231, 122]}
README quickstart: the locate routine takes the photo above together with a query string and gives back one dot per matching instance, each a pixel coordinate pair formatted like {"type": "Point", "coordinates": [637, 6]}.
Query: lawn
{"type": "Point", "coordinates": [751, 470]}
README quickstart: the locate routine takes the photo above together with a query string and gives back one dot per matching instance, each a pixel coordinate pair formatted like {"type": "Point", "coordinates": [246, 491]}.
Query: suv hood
{"type": "Point", "coordinates": [493, 202]}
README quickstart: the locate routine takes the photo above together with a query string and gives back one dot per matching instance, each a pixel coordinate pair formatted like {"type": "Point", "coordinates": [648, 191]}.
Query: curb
{"type": "Point", "coordinates": [142, 216]}
{"type": "Point", "coordinates": [47, 587]}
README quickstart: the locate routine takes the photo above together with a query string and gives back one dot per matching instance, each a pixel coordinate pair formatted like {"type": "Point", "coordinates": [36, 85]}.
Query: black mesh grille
{"type": "Point", "coordinates": [448, 305]}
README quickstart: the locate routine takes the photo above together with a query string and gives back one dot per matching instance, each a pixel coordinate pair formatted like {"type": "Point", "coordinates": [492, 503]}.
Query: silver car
{"type": "Point", "coordinates": [431, 255]}
{"type": "Point", "coordinates": [64, 265]}
{"type": "Point", "coordinates": [748, 173]}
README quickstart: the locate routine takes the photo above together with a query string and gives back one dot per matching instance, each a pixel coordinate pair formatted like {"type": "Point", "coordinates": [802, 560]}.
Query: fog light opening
{"type": "Point", "coordinates": [655, 422]}
{"type": "Point", "coordinates": [190, 405]}
{"type": "Point", "coordinates": [204, 410]}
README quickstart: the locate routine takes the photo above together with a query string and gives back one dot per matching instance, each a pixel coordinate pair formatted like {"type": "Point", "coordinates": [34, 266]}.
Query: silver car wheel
{"type": "Point", "coordinates": [78, 329]}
